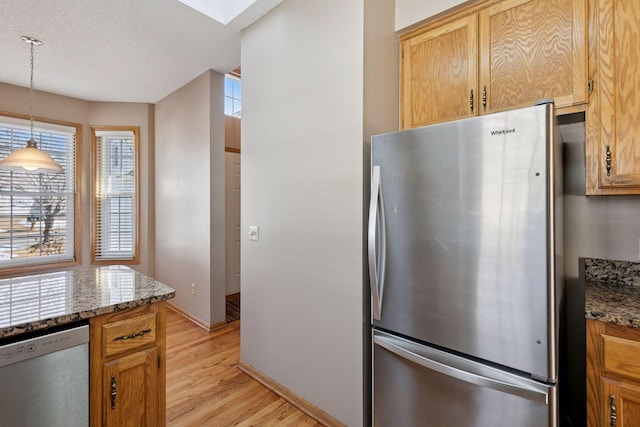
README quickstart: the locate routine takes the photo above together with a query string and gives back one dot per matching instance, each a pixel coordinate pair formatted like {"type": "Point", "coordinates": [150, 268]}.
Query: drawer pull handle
{"type": "Point", "coordinates": [137, 334]}
{"type": "Point", "coordinates": [608, 159]}
{"type": "Point", "coordinates": [113, 391]}
{"type": "Point", "coordinates": [484, 98]}
{"type": "Point", "coordinates": [471, 101]}
{"type": "Point", "coordinates": [612, 411]}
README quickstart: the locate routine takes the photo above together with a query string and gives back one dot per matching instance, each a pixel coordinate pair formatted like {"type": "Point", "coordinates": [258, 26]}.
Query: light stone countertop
{"type": "Point", "coordinates": [612, 291]}
{"type": "Point", "coordinates": [39, 301]}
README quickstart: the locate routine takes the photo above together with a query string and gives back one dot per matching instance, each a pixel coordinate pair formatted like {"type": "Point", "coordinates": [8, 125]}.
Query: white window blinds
{"type": "Point", "coordinates": [116, 200]}
{"type": "Point", "coordinates": [37, 223]}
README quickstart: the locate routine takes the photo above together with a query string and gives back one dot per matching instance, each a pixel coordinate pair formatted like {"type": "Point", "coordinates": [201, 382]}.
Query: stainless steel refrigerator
{"type": "Point", "coordinates": [464, 247]}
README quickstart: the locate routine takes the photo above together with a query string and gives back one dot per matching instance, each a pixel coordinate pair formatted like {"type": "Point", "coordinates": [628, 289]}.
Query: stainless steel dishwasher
{"type": "Point", "coordinates": [44, 380]}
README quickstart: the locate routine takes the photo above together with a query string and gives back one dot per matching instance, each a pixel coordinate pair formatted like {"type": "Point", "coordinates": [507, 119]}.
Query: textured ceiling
{"type": "Point", "coordinates": [117, 50]}
{"type": "Point", "coordinates": [221, 10]}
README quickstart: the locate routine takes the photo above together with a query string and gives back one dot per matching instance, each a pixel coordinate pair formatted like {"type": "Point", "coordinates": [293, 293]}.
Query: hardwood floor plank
{"type": "Point", "coordinates": [206, 388]}
{"type": "Point", "coordinates": [265, 415]}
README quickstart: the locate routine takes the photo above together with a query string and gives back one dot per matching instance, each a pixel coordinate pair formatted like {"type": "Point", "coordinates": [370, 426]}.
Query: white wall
{"type": "Point", "coordinates": [409, 12]}
{"type": "Point", "coordinates": [189, 185]}
{"type": "Point", "coordinates": [303, 132]}
{"type": "Point", "coordinates": [381, 72]}
{"type": "Point", "coordinates": [217, 210]}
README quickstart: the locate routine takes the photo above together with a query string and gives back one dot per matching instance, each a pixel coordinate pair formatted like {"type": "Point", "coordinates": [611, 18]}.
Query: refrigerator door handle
{"type": "Point", "coordinates": [521, 390]}
{"type": "Point", "coordinates": [376, 270]}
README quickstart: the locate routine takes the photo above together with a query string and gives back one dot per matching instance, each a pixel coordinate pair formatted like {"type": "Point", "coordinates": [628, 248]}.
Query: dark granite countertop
{"type": "Point", "coordinates": [39, 301]}
{"type": "Point", "coordinates": [612, 291]}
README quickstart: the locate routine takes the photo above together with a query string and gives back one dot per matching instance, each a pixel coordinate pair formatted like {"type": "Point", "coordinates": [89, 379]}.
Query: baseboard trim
{"type": "Point", "coordinates": [195, 320]}
{"type": "Point", "coordinates": [305, 406]}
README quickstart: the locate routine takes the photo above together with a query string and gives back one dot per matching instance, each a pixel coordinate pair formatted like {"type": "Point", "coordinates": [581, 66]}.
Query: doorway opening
{"type": "Point", "coordinates": [232, 238]}
{"type": "Point", "coordinates": [232, 111]}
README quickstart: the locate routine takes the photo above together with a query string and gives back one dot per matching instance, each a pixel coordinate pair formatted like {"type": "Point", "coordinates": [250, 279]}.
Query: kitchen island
{"type": "Point", "coordinates": [39, 301]}
{"type": "Point", "coordinates": [126, 314]}
{"type": "Point", "coordinates": [612, 311]}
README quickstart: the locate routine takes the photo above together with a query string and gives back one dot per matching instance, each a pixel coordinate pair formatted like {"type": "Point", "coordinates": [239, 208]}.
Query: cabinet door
{"type": "Point", "coordinates": [594, 331]}
{"type": "Point", "coordinates": [621, 404]}
{"type": "Point", "coordinates": [130, 390]}
{"type": "Point", "coordinates": [533, 49]}
{"type": "Point", "coordinates": [613, 116]}
{"type": "Point", "coordinates": [439, 73]}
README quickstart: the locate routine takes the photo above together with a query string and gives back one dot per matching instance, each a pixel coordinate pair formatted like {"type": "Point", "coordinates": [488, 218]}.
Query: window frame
{"type": "Point", "coordinates": [95, 179]}
{"type": "Point", "coordinates": [233, 77]}
{"type": "Point", "coordinates": [75, 260]}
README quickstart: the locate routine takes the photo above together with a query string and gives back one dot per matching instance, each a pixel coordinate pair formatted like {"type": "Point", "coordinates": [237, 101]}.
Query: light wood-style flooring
{"type": "Point", "coordinates": [206, 388]}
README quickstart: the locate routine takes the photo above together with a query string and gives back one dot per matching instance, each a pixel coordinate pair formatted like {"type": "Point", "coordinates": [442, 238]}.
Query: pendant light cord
{"type": "Point", "coordinates": [33, 42]}
{"type": "Point", "coordinates": [30, 158]}
{"type": "Point", "coordinates": [31, 92]}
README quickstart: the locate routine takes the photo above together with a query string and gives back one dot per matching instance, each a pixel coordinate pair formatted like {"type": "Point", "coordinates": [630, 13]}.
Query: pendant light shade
{"type": "Point", "coordinates": [31, 158]}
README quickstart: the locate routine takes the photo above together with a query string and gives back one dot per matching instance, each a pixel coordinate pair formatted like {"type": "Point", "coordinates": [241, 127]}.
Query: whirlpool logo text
{"type": "Point", "coordinates": [500, 132]}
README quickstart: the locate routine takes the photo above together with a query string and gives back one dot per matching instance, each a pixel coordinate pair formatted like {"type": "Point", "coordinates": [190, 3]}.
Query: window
{"type": "Point", "coordinates": [38, 211]}
{"type": "Point", "coordinates": [114, 234]}
{"type": "Point", "coordinates": [232, 96]}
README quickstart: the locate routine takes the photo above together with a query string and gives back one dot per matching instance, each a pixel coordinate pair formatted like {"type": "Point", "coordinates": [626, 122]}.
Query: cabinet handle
{"type": "Point", "coordinates": [471, 101]}
{"type": "Point", "coordinates": [484, 98]}
{"type": "Point", "coordinates": [612, 411]}
{"type": "Point", "coordinates": [128, 337]}
{"type": "Point", "coordinates": [608, 159]}
{"type": "Point", "coordinates": [113, 391]}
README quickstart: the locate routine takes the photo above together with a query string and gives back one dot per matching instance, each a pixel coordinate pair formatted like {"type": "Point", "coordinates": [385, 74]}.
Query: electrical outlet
{"type": "Point", "coordinates": [193, 289]}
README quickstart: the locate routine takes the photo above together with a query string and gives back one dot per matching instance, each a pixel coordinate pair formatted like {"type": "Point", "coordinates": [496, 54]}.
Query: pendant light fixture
{"type": "Point", "coordinates": [30, 158]}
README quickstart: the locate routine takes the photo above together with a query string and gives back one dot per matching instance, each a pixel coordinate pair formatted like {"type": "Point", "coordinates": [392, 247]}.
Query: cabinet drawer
{"type": "Point", "coordinates": [620, 356]}
{"type": "Point", "coordinates": [128, 334]}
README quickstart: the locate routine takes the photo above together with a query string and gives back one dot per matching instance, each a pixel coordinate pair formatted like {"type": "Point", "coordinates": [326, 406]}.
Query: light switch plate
{"type": "Point", "coordinates": [254, 233]}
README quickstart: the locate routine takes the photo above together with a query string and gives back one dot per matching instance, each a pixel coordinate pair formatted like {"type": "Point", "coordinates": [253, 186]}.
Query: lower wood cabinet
{"type": "Point", "coordinates": [621, 403]}
{"type": "Point", "coordinates": [613, 375]}
{"type": "Point", "coordinates": [127, 367]}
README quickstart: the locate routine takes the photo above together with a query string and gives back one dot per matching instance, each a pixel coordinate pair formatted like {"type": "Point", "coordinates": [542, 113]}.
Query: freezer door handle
{"type": "Point", "coordinates": [376, 259]}
{"type": "Point", "coordinates": [483, 380]}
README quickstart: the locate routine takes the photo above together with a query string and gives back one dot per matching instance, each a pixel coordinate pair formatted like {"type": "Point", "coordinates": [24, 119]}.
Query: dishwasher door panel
{"type": "Point", "coordinates": [49, 390]}
{"type": "Point", "coordinates": [415, 385]}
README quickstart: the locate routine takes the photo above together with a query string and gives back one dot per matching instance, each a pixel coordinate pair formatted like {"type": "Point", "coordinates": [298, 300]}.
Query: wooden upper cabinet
{"type": "Point", "coordinates": [533, 49]}
{"type": "Point", "coordinates": [492, 56]}
{"type": "Point", "coordinates": [439, 73]}
{"type": "Point", "coordinates": [613, 114]}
